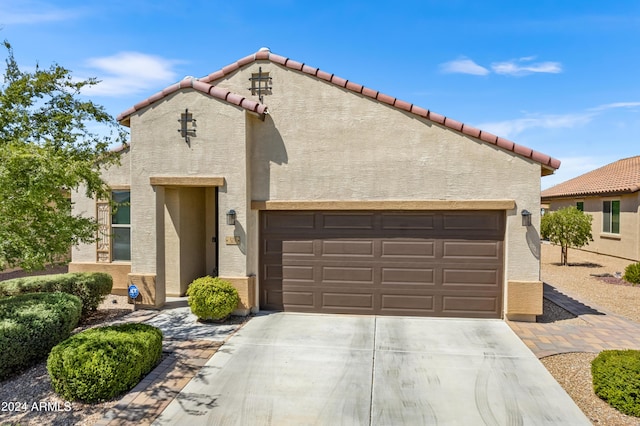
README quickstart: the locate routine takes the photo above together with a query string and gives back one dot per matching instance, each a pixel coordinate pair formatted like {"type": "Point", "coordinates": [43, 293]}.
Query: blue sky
{"type": "Point", "coordinates": [558, 77]}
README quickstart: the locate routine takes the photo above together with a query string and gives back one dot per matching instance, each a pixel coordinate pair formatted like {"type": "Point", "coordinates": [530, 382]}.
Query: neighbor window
{"type": "Point", "coordinates": [611, 217]}
{"type": "Point", "coordinates": [121, 225]}
{"type": "Point", "coordinates": [580, 206]}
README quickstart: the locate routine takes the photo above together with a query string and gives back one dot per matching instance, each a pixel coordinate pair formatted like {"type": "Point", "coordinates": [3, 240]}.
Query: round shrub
{"type": "Point", "coordinates": [632, 273]}
{"type": "Point", "coordinates": [616, 379]}
{"type": "Point", "coordinates": [102, 363]}
{"type": "Point", "coordinates": [212, 298]}
{"type": "Point", "coordinates": [32, 324]}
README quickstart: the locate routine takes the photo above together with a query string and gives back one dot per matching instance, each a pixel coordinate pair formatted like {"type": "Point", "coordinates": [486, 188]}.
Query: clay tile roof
{"type": "Point", "coordinates": [200, 86]}
{"type": "Point", "coordinates": [207, 85]}
{"type": "Point", "coordinates": [623, 176]}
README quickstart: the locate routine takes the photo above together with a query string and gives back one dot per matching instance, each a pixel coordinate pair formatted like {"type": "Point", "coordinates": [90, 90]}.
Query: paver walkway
{"type": "Point", "coordinates": [187, 347]}
{"type": "Point", "coordinates": [593, 330]}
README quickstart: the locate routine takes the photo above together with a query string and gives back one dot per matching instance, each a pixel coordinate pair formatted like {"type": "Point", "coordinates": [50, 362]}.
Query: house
{"type": "Point", "coordinates": [312, 193]}
{"type": "Point", "coordinates": [611, 194]}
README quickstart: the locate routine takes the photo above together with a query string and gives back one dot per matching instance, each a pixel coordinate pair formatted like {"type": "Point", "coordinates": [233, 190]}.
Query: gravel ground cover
{"type": "Point", "coordinates": [586, 278]}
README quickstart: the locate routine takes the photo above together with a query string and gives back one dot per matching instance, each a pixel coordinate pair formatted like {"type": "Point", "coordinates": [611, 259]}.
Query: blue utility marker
{"type": "Point", "coordinates": [133, 291]}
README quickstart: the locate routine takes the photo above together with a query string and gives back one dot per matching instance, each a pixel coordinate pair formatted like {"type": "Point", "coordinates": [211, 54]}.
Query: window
{"type": "Point", "coordinates": [580, 205]}
{"type": "Point", "coordinates": [121, 225]}
{"type": "Point", "coordinates": [611, 217]}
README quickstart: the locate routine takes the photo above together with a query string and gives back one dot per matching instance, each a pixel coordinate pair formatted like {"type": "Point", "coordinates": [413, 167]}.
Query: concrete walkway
{"type": "Point", "coordinates": [303, 369]}
{"type": "Point", "coordinates": [593, 331]}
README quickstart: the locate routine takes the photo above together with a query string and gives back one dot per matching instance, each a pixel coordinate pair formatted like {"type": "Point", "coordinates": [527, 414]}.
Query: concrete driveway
{"type": "Point", "coordinates": [299, 369]}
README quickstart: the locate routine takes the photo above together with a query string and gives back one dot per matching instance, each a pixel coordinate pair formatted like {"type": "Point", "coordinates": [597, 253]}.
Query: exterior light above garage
{"type": "Point", "coordinates": [231, 217]}
{"type": "Point", "coordinates": [526, 218]}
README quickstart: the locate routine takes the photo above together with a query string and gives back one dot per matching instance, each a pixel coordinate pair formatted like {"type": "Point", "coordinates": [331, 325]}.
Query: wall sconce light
{"type": "Point", "coordinates": [526, 218]}
{"type": "Point", "coordinates": [231, 217]}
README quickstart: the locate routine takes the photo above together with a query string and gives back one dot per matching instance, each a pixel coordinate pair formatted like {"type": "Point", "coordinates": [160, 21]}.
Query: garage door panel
{"type": "Point", "coordinates": [404, 249]}
{"type": "Point", "coordinates": [272, 247]}
{"type": "Point", "coordinates": [346, 300]}
{"type": "Point", "coordinates": [471, 249]}
{"type": "Point", "coordinates": [286, 221]}
{"type": "Point", "coordinates": [350, 221]}
{"type": "Point", "coordinates": [298, 299]}
{"type": "Point", "coordinates": [346, 247]}
{"type": "Point", "coordinates": [299, 273]}
{"type": "Point", "coordinates": [414, 277]}
{"type": "Point", "coordinates": [417, 304]}
{"type": "Point", "coordinates": [298, 248]}
{"type": "Point", "coordinates": [391, 263]}
{"type": "Point", "coordinates": [416, 221]}
{"type": "Point", "coordinates": [472, 221]}
{"type": "Point", "coordinates": [478, 306]}
{"type": "Point", "coordinates": [470, 278]}
{"type": "Point", "coordinates": [272, 298]}
{"type": "Point", "coordinates": [344, 275]}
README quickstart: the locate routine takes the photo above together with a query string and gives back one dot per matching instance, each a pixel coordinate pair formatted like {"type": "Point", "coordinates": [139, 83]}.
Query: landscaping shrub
{"type": "Point", "coordinates": [90, 287]}
{"type": "Point", "coordinates": [616, 379]}
{"type": "Point", "coordinates": [102, 363]}
{"type": "Point", "coordinates": [212, 298]}
{"type": "Point", "coordinates": [632, 273]}
{"type": "Point", "coordinates": [32, 324]}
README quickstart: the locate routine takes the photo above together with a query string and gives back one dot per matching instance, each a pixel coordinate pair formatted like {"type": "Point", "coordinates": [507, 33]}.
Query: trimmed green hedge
{"type": "Point", "coordinates": [90, 287]}
{"type": "Point", "coordinates": [212, 298]}
{"type": "Point", "coordinates": [616, 379]}
{"type": "Point", "coordinates": [632, 273]}
{"type": "Point", "coordinates": [102, 363]}
{"type": "Point", "coordinates": [31, 324]}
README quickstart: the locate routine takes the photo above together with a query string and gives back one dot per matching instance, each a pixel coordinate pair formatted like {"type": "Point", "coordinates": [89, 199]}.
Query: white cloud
{"type": "Point", "coordinates": [516, 67]}
{"type": "Point", "coordinates": [523, 66]}
{"type": "Point", "coordinates": [127, 73]}
{"type": "Point", "coordinates": [33, 12]}
{"type": "Point", "coordinates": [616, 105]}
{"type": "Point", "coordinates": [463, 66]}
{"type": "Point", "coordinates": [511, 128]}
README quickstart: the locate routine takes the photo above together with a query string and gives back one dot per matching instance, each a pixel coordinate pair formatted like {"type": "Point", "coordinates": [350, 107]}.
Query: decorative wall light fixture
{"type": "Point", "coordinates": [185, 118]}
{"type": "Point", "coordinates": [526, 218]}
{"type": "Point", "coordinates": [231, 217]}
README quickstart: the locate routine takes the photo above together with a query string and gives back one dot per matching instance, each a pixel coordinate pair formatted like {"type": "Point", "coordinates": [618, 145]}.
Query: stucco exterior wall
{"type": "Point", "coordinates": [321, 142]}
{"type": "Point", "coordinates": [626, 244]}
{"type": "Point", "coordinates": [218, 149]}
{"type": "Point", "coordinates": [318, 142]}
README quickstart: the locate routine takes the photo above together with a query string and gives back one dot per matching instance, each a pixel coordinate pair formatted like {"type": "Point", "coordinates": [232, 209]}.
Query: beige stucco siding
{"type": "Point", "coordinates": [626, 244]}
{"type": "Point", "coordinates": [218, 149]}
{"type": "Point", "coordinates": [318, 142]}
{"type": "Point", "coordinates": [321, 142]}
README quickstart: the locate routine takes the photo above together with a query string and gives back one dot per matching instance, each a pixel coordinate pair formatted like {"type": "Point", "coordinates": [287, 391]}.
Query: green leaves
{"type": "Point", "coordinates": [616, 379]}
{"type": "Point", "coordinates": [568, 227]}
{"type": "Point", "coordinates": [48, 147]}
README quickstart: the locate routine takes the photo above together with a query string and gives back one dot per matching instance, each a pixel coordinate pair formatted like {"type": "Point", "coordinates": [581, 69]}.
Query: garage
{"type": "Point", "coordinates": [418, 263]}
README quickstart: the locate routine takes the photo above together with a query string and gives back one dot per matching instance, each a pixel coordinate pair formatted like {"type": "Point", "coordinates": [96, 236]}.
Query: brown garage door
{"type": "Point", "coordinates": [445, 264]}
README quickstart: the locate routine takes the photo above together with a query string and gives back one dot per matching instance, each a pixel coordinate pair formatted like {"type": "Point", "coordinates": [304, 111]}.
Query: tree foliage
{"type": "Point", "coordinates": [51, 142]}
{"type": "Point", "coordinates": [568, 227]}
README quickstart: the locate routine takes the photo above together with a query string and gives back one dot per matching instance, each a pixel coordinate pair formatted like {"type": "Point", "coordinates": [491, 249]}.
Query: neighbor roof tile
{"type": "Point", "coordinates": [621, 176]}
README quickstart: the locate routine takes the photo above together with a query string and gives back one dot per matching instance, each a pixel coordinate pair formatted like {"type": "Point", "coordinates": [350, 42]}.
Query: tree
{"type": "Point", "coordinates": [49, 146]}
{"type": "Point", "coordinates": [568, 227]}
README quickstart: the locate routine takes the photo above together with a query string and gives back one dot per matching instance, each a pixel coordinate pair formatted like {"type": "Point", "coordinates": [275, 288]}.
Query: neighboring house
{"type": "Point", "coordinates": [611, 194]}
{"type": "Point", "coordinates": [312, 193]}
